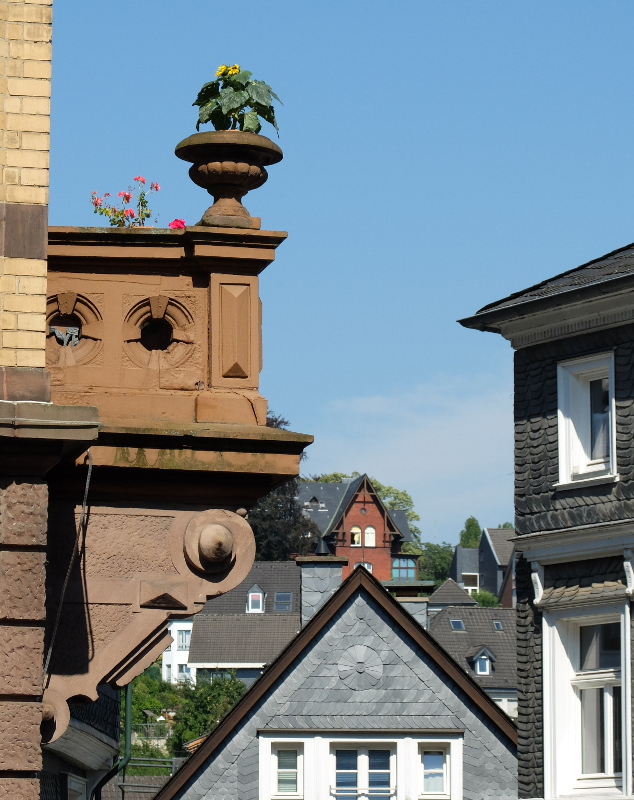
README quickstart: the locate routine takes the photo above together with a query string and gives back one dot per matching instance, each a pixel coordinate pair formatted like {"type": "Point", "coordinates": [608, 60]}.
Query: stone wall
{"type": "Point", "coordinates": [25, 84]}
{"type": "Point", "coordinates": [538, 507]}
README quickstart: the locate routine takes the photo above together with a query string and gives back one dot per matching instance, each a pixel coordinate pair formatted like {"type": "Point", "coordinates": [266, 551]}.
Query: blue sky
{"type": "Point", "coordinates": [439, 154]}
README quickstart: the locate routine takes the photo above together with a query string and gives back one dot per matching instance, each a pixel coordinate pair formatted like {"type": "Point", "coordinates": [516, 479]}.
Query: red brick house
{"type": "Point", "coordinates": [355, 524]}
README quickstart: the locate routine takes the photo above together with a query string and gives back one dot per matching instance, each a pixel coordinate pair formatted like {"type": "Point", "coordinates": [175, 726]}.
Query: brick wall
{"type": "Point", "coordinates": [25, 86]}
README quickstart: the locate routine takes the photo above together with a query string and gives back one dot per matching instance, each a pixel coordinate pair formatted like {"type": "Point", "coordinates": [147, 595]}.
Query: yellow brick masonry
{"type": "Point", "coordinates": [25, 88]}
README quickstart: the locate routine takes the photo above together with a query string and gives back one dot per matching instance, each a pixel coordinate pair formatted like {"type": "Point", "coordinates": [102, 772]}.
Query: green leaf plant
{"type": "Point", "coordinates": [235, 102]}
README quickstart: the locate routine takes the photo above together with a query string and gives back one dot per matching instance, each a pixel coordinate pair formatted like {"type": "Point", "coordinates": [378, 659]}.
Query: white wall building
{"type": "Point", "coordinates": [175, 658]}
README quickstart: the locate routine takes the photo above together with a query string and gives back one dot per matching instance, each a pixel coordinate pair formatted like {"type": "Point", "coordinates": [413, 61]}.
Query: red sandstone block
{"type": "Point", "coordinates": [20, 736]}
{"type": "Point", "coordinates": [19, 789]}
{"type": "Point", "coordinates": [22, 585]}
{"type": "Point", "coordinates": [23, 513]}
{"type": "Point", "coordinates": [21, 658]}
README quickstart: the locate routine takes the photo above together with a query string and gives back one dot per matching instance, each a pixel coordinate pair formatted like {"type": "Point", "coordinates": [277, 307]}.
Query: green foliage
{"type": "Point", "coordinates": [145, 750]}
{"type": "Point", "coordinates": [507, 526]}
{"type": "Point", "coordinates": [235, 102]}
{"type": "Point", "coordinates": [150, 693]}
{"type": "Point", "coordinates": [486, 599]}
{"type": "Point", "coordinates": [203, 706]}
{"type": "Point", "coordinates": [470, 536]}
{"type": "Point", "coordinates": [394, 499]}
{"type": "Point", "coordinates": [434, 562]}
{"type": "Point", "coordinates": [126, 217]}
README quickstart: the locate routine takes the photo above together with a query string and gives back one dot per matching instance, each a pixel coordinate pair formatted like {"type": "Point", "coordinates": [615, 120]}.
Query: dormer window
{"type": "Point", "coordinates": [483, 665]}
{"type": "Point", "coordinates": [255, 601]}
{"type": "Point", "coordinates": [355, 536]}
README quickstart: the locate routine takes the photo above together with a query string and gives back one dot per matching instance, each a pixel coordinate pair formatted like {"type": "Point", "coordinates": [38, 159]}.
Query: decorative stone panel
{"type": "Point", "coordinates": [21, 660]}
{"type": "Point", "coordinates": [22, 585]}
{"type": "Point", "coordinates": [23, 512]}
{"type": "Point", "coordinates": [20, 736]}
{"type": "Point", "coordinates": [23, 789]}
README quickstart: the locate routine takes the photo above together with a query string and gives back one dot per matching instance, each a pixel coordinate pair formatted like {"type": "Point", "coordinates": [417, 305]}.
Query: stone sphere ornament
{"type": "Point", "coordinates": [211, 538]}
{"type": "Point", "coordinates": [360, 667]}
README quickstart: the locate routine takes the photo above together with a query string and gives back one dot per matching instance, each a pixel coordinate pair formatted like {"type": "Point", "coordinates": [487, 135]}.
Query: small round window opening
{"type": "Point", "coordinates": [66, 328]}
{"type": "Point", "coordinates": [156, 334]}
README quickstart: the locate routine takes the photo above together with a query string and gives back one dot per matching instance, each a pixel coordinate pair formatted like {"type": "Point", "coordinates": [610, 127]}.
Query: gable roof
{"type": "Point", "coordinates": [336, 498]}
{"type": "Point", "coordinates": [501, 544]}
{"type": "Point", "coordinates": [271, 576]}
{"type": "Point", "coordinates": [573, 286]}
{"type": "Point", "coordinates": [451, 594]}
{"type": "Point", "coordinates": [478, 634]}
{"type": "Point", "coordinates": [359, 580]}
{"type": "Point", "coordinates": [240, 638]}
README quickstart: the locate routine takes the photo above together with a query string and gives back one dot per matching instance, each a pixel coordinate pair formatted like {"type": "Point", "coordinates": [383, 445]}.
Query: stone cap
{"type": "Point", "coordinates": [36, 420]}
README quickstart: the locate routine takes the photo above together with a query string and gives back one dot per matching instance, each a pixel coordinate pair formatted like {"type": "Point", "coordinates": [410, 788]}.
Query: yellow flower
{"type": "Point", "coordinates": [233, 70]}
{"type": "Point", "coordinates": [222, 70]}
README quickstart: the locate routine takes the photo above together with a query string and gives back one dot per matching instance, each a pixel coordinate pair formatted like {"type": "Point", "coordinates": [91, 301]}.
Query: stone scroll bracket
{"type": "Point", "coordinates": [628, 566]}
{"type": "Point", "coordinates": [537, 578]}
{"type": "Point", "coordinates": [193, 555]}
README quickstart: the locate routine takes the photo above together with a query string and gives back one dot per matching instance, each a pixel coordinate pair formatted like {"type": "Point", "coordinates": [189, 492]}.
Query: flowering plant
{"type": "Point", "coordinates": [127, 217]}
{"type": "Point", "coordinates": [235, 102]}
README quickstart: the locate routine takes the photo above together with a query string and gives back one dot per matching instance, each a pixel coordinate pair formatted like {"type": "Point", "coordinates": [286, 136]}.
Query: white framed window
{"type": "Point", "coordinates": [183, 672]}
{"type": "Point", "coordinates": [183, 639]}
{"type": "Point", "coordinates": [75, 787]}
{"type": "Point", "coordinates": [497, 625]}
{"type": "Point", "coordinates": [483, 665]}
{"type": "Point", "coordinates": [255, 600]}
{"type": "Point", "coordinates": [355, 536]}
{"type": "Point", "coordinates": [168, 673]}
{"type": "Point", "coordinates": [435, 774]}
{"type": "Point", "coordinates": [365, 564]}
{"type": "Point", "coordinates": [370, 536]}
{"type": "Point", "coordinates": [456, 624]}
{"type": "Point", "coordinates": [287, 770]}
{"type": "Point", "coordinates": [471, 582]}
{"type": "Point", "coordinates": [318, 766]}
{"type": "Point", "coordinates": [587, 719]}
{"type": "Point", "coordinates": [585, 419]}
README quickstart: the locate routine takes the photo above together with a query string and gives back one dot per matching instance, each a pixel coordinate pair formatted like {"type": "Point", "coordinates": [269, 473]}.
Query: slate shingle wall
{"type": "Point", "coordinates": [537, 506]}
{"type": "Point", "coordinates": [319, 583]}
{"type": "Point", "coordinates": [530, 727]}
{"type": "Point", "coordinates": [409, 695]}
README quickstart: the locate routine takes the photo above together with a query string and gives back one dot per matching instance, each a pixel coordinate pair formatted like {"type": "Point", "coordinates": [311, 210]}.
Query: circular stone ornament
{"type": "Point", "coordinates": [211, 539]}
{"type": "Point", "coordinates": [360, 667]}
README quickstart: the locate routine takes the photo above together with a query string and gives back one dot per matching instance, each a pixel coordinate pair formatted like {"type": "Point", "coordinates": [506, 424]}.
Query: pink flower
{"type": "Point", "coordinates": [155, 186]}
{"type": "Point", "coordinates": [97, 201]}
{"type": "Point", "coordinates": [177, 224]}
{"type": "Point", "coordinates": [107, 194]}
{"type": "Point", "coordinates": [140, 179]}
{"type": "Point", "coordinates": [126, 196]}
{"type": "Point", "coordinates": [129, 213]}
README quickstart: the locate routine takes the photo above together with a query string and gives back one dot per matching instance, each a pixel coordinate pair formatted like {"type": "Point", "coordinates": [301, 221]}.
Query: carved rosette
{"type": "Point", "coordinates": [360, 667]}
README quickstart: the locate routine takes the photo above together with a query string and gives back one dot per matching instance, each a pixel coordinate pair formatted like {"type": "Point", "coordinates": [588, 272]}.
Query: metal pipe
{"type": "Point", "coordinates": [122, 762]}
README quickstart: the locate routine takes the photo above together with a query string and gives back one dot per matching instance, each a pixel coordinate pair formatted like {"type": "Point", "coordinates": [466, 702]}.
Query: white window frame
{"type": "Point", "coordinates": [186, 635]}
{"type": "Point", "coordinates": [250, 609]}
{"type": "Point", "coordinates": [317, 751]}
{"type": "Point", "coordinates": [470, 589]}
{"type": "Point", "coordinates": [573, 421]}
{"type": "Point", "coordinates": [365, 564]}
{"type": "Point", "coordinates": [273, 788]}
{"type": "Point", "coordinates": [486, 662]}
{"type": "Point", "coordinates": [562, 707]}
{"type": "Point", "coordinates": [369, 532]}
{"type": "Point", "coordinates": [447, 776]}
{"type": "Point", "coordinates": [353, 531]}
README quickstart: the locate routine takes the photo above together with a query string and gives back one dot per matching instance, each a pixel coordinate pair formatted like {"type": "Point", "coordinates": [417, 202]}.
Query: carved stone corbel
{"type": "Point", "coordinates": [628, 558]}
{"type": "Point", "coordinates": [537, 577]}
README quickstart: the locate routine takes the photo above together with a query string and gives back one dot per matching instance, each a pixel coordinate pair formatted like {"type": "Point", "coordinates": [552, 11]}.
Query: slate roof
{"type": "Point", "coordinates": [584, 582]}
{"type": "Point", "coordinates": [335, 497]}
{"type": "Point", "coordinates": [574, 284]}
{"type": "Point", "coordinates": [451, 594]}
{"type": "Point", "coordinates": [502, 544]}
{"type": "Point", "coordinates": [271, 576]}
{"type": "Point", "coordinates": [479, 633]}
{"type": "Point", "coordinates": [241, 638]}
{"type": "Point", "coordinates": [304, 646]}
{"type": "Point", "coordinates": [578, 595]}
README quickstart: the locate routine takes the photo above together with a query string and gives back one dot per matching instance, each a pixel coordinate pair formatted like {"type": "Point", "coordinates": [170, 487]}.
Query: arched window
{"type": "Point", "coordinates": [370, 536]}
{"type": "Point", "coordinates": [404, 569]}
{"type": "Point", "coordinates": [355, 536]}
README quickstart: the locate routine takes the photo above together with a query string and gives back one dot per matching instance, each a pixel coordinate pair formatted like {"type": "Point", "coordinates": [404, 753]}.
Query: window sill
{"type": "Point", "coordinates": [596, 481]}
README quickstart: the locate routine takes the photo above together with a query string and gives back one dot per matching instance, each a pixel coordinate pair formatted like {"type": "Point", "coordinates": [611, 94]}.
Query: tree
{"type": "Point", "coordinates": [508, 526]}
{"type": "Point", "coordinates": [393, 499]}
{"type": "Point", "coordinates": [470, 536]}
{"type": "Point", "coordinates": [434, 561]}
{"type": "Point", "coordinates": [203, 706]}
{"type": "Point", "coordinates": [486, 599]}
{"type": "Point", "coordinates": [279, 524]}
{"type": "Point", "coordinates": [150, 693]}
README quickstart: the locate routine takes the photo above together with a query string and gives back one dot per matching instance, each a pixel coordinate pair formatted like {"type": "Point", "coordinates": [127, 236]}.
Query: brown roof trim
{"type": "Point", "coordinates": [321, 560]}
{"type": "Point", "coordinates": [359, 579]}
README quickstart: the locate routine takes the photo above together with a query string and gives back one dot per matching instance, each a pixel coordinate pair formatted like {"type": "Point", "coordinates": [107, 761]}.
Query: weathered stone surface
{"type": "Point", "coordinates": [22, 585]}
{"type": "Point", "coordinates": [21, 657]}
{"type": "Point", "coordinates": [20, 736]}
{"type": "Point", "coordinates": [19, 789]}
{"type": "Point", "coordinates": [23, 512]}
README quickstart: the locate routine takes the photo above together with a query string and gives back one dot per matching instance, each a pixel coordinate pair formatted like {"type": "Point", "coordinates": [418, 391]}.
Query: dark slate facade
{"type": "Point", "coordinates": [574, 542]}
{"type": "Point", "coordinates": [397, 686]}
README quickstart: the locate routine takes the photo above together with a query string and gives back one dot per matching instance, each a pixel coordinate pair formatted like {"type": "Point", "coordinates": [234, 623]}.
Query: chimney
{"type": "Point", "coordinates": [320, 579]}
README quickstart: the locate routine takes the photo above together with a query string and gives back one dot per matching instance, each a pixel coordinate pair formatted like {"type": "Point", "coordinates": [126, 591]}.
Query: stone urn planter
{"type": "Point", "coordinates": [228, 164]}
